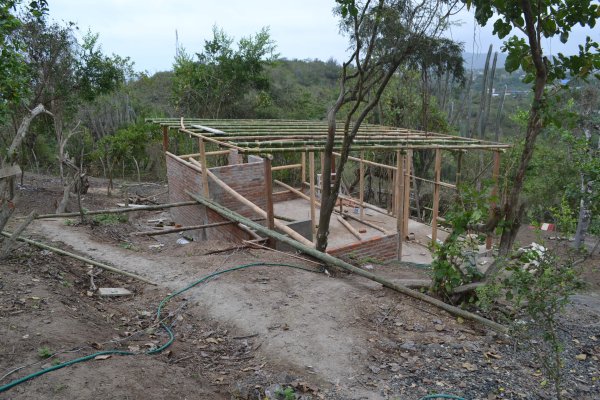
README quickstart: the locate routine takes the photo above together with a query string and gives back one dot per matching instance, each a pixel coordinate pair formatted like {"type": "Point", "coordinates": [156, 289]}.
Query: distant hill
{"type": "Point", "coordinates": [479, 60]}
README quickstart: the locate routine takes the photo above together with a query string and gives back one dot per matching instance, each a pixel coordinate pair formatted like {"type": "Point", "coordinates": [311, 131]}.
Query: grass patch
{"type": "Point", "coordinates": [110, 219]}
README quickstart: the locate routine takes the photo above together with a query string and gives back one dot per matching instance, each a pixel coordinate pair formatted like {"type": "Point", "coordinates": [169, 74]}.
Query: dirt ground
{"type": "Point", "coordinates": [251, 333]}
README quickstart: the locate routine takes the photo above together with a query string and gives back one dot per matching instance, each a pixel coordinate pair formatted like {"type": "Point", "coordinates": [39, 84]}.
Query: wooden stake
{"type": "Point", "coordinates": [269, 199]}
{"type": "Point", "coordinates": [311, 178]}
{"type": "Point", "coordinates": [399, 209]}
{"type": "Point", "coordinates": [204, 167]}
{"type": "Point", "coordinates": [303, 172]}
{"type": "Point", "coordinates": [165, 132]}
{"type": "Point", "coordinates": [436, 194]}
{"type": "Point", "coordinates": [406, 201]}
{"type": "Point", "coordinates": [361, 186]}
{"type": "Point", "coordinates": [495, 174]}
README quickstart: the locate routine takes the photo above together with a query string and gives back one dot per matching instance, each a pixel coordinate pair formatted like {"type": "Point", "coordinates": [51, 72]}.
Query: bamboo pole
{"type": "Point", "coordinates": [311, 178]}
{"type": "Point", "coordinates": [269, 198]}
{"type": "Point", "coordinates": [442, 184]}
{"type": "Point", "coordinates": [182, 229]}
{"type": "Point", "coordinates": [80, 258]}
{"type": "Point", "coordinates": [284, 167]}
{"type": "Point", "coordinates": [399, 209]}
{"type": "Point", "coordinates": [361, 185]}
{"type": "Point", "coordinates": [406, 194]}
{"type": "Point", "coordinates": [495, 174]}
{"type": "Point", "coordinates": [349, 227]}
{"type": "Point", "coordinates": [436, 195]}
{"type": "Point", "coordinates": [118, 210]}
{"type": "Point", "coordinates": [331, 260]}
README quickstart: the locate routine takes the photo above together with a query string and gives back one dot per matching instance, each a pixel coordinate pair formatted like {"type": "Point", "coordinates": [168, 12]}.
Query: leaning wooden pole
{"type": "Point", "coordinates": [331, 260]}
{"type": "Point", "coordinates": [119, 210]}
{"type": "Point", "coordinates": [75, 256]}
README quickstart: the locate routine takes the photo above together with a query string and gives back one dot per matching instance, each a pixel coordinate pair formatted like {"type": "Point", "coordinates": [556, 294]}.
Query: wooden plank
{"type": "Point", "coordinates": [495, 173]}
{"type": "Point", "coordinates": [349, 227]}
{"type": "Point", "coordinates": [436, 194]}
{"type": "Point", "coordinates": [269, 199]}
{"type": "Point", "coordinates": [311, 178]}
{"type": "Point", "coordinates": [10, 171]}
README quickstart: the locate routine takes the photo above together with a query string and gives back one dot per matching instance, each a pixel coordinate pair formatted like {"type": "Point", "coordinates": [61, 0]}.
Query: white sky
{"type": "Point", "coordinates": [145, 29]}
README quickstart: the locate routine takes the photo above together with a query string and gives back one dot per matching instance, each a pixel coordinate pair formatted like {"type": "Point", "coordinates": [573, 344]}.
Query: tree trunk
{"type": "Point", "coordinates": [585, 212]}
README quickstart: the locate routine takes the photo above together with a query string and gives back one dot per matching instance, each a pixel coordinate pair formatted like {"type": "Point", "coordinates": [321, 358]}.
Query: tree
{"type": "Point", "coordinates": [383, 35]}
{"type": "Point", "coordinates": [536, 20]}
{"type": "Point", "coordinates": [214, 83]}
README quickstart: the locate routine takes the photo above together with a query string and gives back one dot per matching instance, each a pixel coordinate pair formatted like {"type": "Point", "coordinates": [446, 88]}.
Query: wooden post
{"type": "Point", "coordinates": [459, 168]}
{"type": "Point", "coordinates": [311, 171]}
{"type": "Point", "coordinates": [165, 132]}
{"type": "Point", "coordinates": [269, 198]}
{"type": "Point", "coordinates": [406, 201]}
{"type": "Point", "coordinates": [361, 190]}
{"type": "Point", "coordinates": [398, 190]}
{"type": "Point", "coordinates": [204, 166]}
{"type": "Point", "coordinates": [495, 174]}
{"type": "Point", "coordinates": [303, 173]}
{"type": "Point", "coordinates": [436, 194]}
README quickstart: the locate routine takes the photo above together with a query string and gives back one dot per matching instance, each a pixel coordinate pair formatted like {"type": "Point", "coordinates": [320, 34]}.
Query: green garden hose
{"type": "Point", "coordinates": [162, 324]}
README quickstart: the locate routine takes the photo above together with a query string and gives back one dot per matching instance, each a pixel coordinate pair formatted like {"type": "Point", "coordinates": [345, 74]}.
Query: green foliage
{"type": "Point", "coordinates": [455, 261]}
{"type": "Point", "coordinates": [44, 352]}
{"type": "Point", "coordinates": [564, 216]}
{"type": "Point", "coordinates": [214, 82]}
{"type": "Point", "coordinates": [14, 77]}
{"type": "Point", "coordinates": [110, 219]}
{"type": "Point", "coordinates": [99, 73]}
{"type": "Point", "coordinates": [538, 289]}
{"type": "Point", "coordinates": [286, 394]}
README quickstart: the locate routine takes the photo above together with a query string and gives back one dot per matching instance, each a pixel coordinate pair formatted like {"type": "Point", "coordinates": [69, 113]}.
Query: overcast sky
{"type": "Point", "coordinates": [145, 29]}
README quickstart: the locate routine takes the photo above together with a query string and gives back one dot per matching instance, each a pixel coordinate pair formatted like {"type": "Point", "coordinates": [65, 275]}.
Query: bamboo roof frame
{"type": "Point", "coordinates": [266, 136]}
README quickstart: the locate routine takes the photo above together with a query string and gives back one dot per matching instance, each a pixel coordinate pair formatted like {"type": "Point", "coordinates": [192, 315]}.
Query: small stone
{"type": "Point", "coordinates": [581, 357]}
{"type": "Point", "coordinates": [374, 369]}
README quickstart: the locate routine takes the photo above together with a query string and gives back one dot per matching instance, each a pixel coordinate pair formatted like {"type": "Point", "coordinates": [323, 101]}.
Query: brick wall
{"type": "Point", "coordinates": [246, 179]}
{"type": "Point", "coordinates": [381, 248]}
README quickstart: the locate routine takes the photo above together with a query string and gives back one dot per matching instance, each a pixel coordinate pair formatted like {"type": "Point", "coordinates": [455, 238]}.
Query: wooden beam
{"type": "Point", "coordinates": [119, 210]}
{"type": "Point", "coordinates": [399, 189]}
{"type": "Point", "coordinates": [436, 194]}
{"type": "Point", "coordinates": [367, 162]}
{"type": "Point", "coordinates": [495, 174]}
{"type": "Point", "coordinates": [350, 228]}
{"type": "Point", "coordinates": [269, 199]}
{"type": "Point", "coordinates": [406, 195]}
{"type": "Point", "coordinates": [182, 229]}
{"type": "Point", "coordinates": [311, 178]}
{"type": "Point", "coordinates": [361, 185]}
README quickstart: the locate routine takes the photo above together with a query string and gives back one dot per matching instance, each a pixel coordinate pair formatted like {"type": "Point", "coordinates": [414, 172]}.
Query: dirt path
{"type": "Point", "coordinates": [305, 322]}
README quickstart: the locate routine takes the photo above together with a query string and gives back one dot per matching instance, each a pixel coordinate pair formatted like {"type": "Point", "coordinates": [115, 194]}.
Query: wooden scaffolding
{"type": "Point", "coordinates": [268, 137]}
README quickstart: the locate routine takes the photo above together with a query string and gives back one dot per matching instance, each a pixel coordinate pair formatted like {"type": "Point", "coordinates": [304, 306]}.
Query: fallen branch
{"type": "Point", "coordinates": [331, 260]}
{"type": "Point", "coordinates": [10, 241]}
{"type": "Point", "coordinates": [182, 229]}
{"type": "Point", "coordinates": [80, 258]}
{"type": "Point", "coordinates": [120, 210]}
